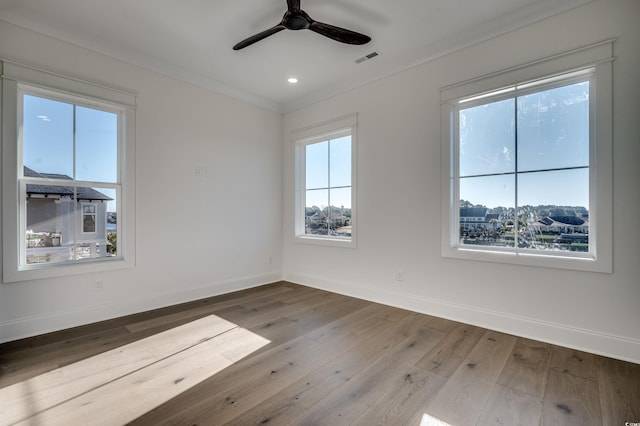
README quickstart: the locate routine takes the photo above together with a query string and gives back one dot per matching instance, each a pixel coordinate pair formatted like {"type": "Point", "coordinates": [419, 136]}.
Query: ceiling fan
{"type": "Point", "coordinates": [297, 19]}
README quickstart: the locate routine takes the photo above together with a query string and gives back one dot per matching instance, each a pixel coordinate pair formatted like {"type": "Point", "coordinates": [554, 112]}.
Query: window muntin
{"type": "Point", "coordinates": [325, 189]}
{"type": "Point", "coordinates": [524, 168]}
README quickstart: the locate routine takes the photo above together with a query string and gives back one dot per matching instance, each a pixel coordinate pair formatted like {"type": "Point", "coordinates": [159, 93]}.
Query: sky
{"type": "Point", "coordinates": [52, 134]}
{"type": "Point", "coordinates": [328, 165]}
{"type": "Point", "coordinates": [545, 134]}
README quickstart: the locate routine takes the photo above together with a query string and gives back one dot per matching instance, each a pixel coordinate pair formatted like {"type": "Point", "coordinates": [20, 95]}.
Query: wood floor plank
{"type": "Point", "coordinates": [126, 398]}
{"type": "Point", "coordinates": [509, 406]}
{"type": "Point", "coordinates": [287, 309]}
{"type": "Point", "coordinates": [619, 389]}
{"type": "Point", "coordinates": [570, 400]}
{"type": "Point", "coordinates": [206, 309]}
{"type": "Point", "coordinates": [447, 356]}
{"type": "Point", "coordinates": [404, 400]}
{"type": "Point", "coordinates": [25, 399]}
{"type": "Point", "coordinates": [403, 329]}
{"type": "Point", "coordinates": [463, 397]}
{"type": "Point", "coordinates": [26, 364]}
{"type": "Point", "coordinates": [526, 369]}
{"type": "Point", "coordinates": [365, 346]}
{"type": "Point", "coordinates": [410, 340]}
{"type": "Point", "coordinates": [353, 398]}
{"type": "Point", "coordinates": [322, 358]}
{"type": "Point", "coordinates": [442, 324]}
{"type": "Point", "coordinates": [154, 323]}
{"type": "Point", "coordinates": [574, 362]}
{"type": "Point", "coordinates": [273, 370]}
{"type": "Point", "coordinates": [312, 322]}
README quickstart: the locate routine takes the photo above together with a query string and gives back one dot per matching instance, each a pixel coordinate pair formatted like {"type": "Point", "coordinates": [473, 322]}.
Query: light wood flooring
{"type": "Point", "coordinates": [284, 354]}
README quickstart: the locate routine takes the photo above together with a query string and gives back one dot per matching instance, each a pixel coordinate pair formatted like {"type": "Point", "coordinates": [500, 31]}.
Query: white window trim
{"type": "Point", "coordinates": [317, 133]}
{"type": "Point", "coordinates": [15, 74]}
{"type": "Point", "coordinates": [599, 57]}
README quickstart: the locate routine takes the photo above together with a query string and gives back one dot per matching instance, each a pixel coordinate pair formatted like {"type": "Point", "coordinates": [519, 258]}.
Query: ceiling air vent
{"type": "Point", "coordinates": [366, 57]}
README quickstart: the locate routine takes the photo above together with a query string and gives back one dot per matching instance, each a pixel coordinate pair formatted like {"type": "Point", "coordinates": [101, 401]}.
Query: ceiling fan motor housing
{"type": "Point", "coordinates": [297, 20]}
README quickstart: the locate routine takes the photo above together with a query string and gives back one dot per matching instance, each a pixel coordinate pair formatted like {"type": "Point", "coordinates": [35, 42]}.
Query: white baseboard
{"type": "Point", "coordinates": [609, 345]}
{"type": "Point", "coordinates": [41, 324]}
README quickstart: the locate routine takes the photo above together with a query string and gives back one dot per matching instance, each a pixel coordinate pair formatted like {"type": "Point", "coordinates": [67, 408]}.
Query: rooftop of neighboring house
{"type": "Point", "coordinates": [563, 220]}
{"type": "Point", "coordinates": [473, 211]}
{"type": "Point", "coordinates": [83, 193]}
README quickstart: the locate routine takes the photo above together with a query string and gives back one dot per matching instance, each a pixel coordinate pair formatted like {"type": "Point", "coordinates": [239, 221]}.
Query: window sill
{"type": "Point", "coordinates": [326, 241]}
{"type": "Point", "coordinates": [555, 261]}
{"type": "Point", "coordinates": [44, 271]}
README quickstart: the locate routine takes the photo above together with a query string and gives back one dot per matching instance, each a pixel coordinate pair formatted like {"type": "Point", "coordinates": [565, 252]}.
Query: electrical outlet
{"type": "Point", "coordinates": [201, 171]}
{"type": "Point", "coordinates": [400, 275]}
{"type": "Point", "coordinates": [270, 260]}
{"type": "Point", "coordinates": [98, 285]}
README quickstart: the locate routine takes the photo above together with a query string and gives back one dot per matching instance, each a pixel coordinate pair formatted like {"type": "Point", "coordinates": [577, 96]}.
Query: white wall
{"type": "Point", "coordinates": [399, 189]}
{"type": "Point", "coordinates": [196, 237]}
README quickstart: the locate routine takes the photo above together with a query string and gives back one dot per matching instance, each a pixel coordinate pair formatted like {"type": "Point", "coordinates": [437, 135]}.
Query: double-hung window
{"type": "Point", "coordinates": [325, 190]}
{"type": "Point", "coordinates": [528, 163]}
{"type": "Point", "coordinates": [68, 203]}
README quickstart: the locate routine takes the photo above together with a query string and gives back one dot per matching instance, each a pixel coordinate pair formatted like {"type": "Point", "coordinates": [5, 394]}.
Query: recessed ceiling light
{"type": "Point", "coordinates": [292, 80]}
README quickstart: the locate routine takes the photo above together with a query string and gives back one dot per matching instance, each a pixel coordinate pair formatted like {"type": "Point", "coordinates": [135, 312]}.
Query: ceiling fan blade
{"type": "Point", "coordinates": [255, 38]}
{"type": "Point", "coordinates": [339, 34]}
{"type": "Point", "coordinates": [293, 5]}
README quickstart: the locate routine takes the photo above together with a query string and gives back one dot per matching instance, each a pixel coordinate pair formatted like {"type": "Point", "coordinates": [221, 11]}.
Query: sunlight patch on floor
{"type": "Point", "coordinates": [120, 385]}
{"type": "Point", "coordinates": [428, 420]}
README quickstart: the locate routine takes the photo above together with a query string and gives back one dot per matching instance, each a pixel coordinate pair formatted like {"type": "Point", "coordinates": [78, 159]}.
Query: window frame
{"type": "Point", "coordinates": [598, 58]}
{"type": "Point", "coordinates": [18, 79]}
{"type": "Point", "coordinates": [301, 138]}
{"type": "Point", "coordinates": [93, 214]}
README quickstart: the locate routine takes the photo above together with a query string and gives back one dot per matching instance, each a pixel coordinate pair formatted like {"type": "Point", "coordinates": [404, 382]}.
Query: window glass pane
{"type": "Point", "coordinates": [96, 145]}
{"type": "Point", "coordinates": [50, 211]}
{"type": "Point", "coordinates": [64, 223]}
{"type": "Point", "coordinates": [89, 223]}
{"type": "Point", "coordinates": [340, 198]}
{"type": "Point", "coordinates": [488, 191]}
{"type": "Point", "coordinates": [559, 187]}
{"type": "Point", "coordinates": [487, 210]}
{"type": "Point", "coordinates": [111, 220]}
{"type": "Point", "coordinates": [487, 138]}
{"type": "Point", "coordinates": [553, 128]}
{"type": "Point", "coordinates": [317, 165]}
{"type": "Point", "coordinates": [48, 136]}
{"type": "Point", "coordinates": [340, 222]}
{"type": "Point", "coordinates": [340, 161]}
{"type": "Point", "coordinates": [316, 211]}
{"type": "Point", "coordinates": [553, 210]}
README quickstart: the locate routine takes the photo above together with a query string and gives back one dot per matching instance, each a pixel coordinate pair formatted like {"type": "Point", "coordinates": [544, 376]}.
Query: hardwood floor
{"type": "Point", "coordinates": [286, 354]}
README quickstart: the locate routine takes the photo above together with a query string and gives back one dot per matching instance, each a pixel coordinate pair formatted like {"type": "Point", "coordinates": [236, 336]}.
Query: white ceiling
{"type": "Point", "coordinates": [192, 39]}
